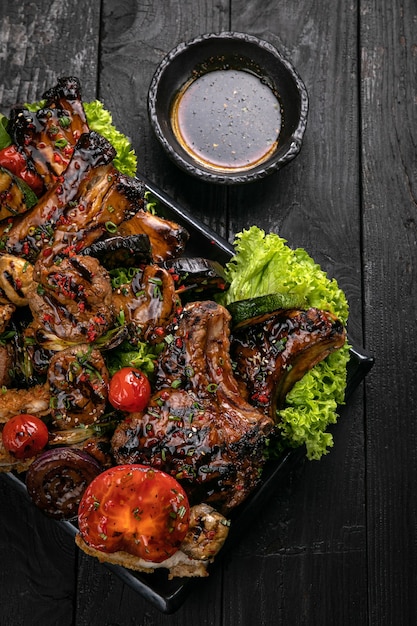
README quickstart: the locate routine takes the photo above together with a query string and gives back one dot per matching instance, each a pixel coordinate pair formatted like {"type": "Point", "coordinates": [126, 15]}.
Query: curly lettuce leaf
{"type": "Point", "coordinates": [264, 264]}
{"type": "Point", "coordinates": [100, 120]}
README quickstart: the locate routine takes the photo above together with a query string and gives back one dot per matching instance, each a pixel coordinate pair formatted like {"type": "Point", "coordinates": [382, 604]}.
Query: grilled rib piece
{"type": "Point", "coordinates": [197, 426]}
{"type": "Point", "coordinates": [48, 136]}
{"type": "Point", "coordinates": [34, 231]}
{"type": "Point", "coordinates": [274, 351]}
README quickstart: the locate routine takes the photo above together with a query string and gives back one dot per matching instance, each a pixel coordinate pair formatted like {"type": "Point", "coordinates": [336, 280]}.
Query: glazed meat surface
{"type": "Point", "coordinates": [197, 426]}
{"type": "Point", "coordinates": [72, 300]}
{"type": "Point", "coordinates": [48, 136]}
{"type": "Point", "coordinates": [275, 351]}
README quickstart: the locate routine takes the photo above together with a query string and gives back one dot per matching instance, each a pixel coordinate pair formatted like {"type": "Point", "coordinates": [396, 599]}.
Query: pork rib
{"type": "Point", "coordinates": [197, 426]}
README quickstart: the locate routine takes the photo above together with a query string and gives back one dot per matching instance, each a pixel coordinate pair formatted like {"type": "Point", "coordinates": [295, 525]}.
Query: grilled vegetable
{"type": "Point", "coordinates": [57, 479]}
{"type": "Point", "coordinates": [15, 195]}
{"type": "Point", "coordinates": [137, 509]}
{"type": "Point", "coordinates": [113, 252]}
{"type": "Point", "coordinates": [196, 275]}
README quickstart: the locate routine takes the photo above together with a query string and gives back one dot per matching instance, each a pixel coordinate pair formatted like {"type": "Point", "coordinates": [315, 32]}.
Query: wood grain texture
{"type": "Point", "coordinates": [389, 136]}
{"type": "Point", "coordinates": [337, 542]}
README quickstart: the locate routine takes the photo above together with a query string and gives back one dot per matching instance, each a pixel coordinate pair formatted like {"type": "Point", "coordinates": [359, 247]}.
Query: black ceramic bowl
{"type": "Point", "coordinates": [228, 107]}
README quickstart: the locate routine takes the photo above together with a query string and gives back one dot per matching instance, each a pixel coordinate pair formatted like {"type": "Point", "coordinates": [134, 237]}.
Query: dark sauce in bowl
{"type": "Point", "coordinates": [227, 119]}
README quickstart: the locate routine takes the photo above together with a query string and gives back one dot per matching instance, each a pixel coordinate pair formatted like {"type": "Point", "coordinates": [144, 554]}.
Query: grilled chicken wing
{"type": "Point", "coordinates": [71, 300]}
{"type": "Point", "coordinates": [149, 302]}
{"type": "Point", "coordinates": [78, 381]}
{"type": "Point", "coordinates": [197, 426]}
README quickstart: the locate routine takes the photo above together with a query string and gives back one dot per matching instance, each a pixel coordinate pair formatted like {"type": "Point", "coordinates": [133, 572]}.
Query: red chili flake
{"type": "Point", "coordinates": [57, 158]}
{"type": "Point", "coordinates": [25, 248]}
{"type": "Point", "coordinates": [178, 342]}
{"type": "Point", "coordinates": [81, 307]}
{"type": "Point", "coordinates": [164, 395]}
{"type": "Point", "coordinates": [263, 398]}
{"type": "Point", "coordinates": [59, 190]}
{"type": "Point", "coordinates": [159, 331]}
{"type": "Point", "coordinates": [76, 134]}
{"type": "Point", "coordinates": [41, 145]}
{"type": "Point", "coordinates": [18, 283]}
{"type": "Point", "coordinates": [46, 252]}
{"type": "Point", "coordinates": [47, 317]}
{"type": "Point", "coordinates": [77, 165]}
{"type": "Point", "coordinates": [219, 371]}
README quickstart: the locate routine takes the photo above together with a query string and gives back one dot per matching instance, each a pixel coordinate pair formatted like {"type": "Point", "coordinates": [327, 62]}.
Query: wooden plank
{"type": "Point", "coordinates": [389, 137]}
{"type": "Point", "coordinates": [297, 553]}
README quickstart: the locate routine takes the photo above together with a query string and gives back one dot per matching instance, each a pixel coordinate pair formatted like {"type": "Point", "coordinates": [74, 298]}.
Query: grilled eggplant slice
{"type": "Point", "coordinates": [196, 275]}
{"type": "Point", "coordinates": [113, 252]}
{"type": "Point", "coordinates": [274, 351]}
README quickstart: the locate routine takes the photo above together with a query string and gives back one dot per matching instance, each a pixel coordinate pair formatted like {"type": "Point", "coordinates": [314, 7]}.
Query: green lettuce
{"type": "Point", "coordinates": [264, 264]}
{"type": "Point", "coordinates": [100, 120]}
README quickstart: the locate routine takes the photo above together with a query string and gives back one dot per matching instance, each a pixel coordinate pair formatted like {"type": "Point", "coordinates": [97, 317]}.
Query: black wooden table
{"type": "Point", "coordinates": [336, 543]}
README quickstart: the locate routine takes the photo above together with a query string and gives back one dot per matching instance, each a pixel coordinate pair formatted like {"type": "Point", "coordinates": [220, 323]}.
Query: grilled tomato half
{"type": "Point", "coordinates": [135, 509]}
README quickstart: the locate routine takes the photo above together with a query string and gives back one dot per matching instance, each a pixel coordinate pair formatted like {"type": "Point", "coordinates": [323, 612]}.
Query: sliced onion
{"type": "Point", "coordinates": [57, 479]}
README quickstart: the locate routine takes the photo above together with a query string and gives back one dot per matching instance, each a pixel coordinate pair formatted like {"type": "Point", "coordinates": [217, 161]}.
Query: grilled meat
{"type": "Point", "coordinates": [16, 277]}
{"type": "Point", "coordinates": [71, 299]}
{"type": "Point", "coordinates": [274, 351]}
{"type": "Point", "coordinates": [168, 239]}
{"type": "Point", "coordinates": [7, 358]}
{"type": "Point", "coordinates": [33, 232]}
{"type": "Point", "coordinates": [6, 311]}
{"type": "Point", "coordinates": [149, 302]}
{"type": "Point", "coordinates": [78, 381]}
{"type": "Point", "coordinates": [48, 136]}
{"type": "Point", "coordinates": [197, 426]}
{"type": "Point", "coordinates": [34, 400]}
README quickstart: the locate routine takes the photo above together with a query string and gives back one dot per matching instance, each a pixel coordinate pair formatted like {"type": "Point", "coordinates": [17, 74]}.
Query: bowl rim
{"type": "Point", "coordinates": [218, 176]}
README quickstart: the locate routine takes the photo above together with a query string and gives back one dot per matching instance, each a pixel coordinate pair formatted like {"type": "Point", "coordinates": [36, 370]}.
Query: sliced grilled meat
{"type": "Point", "coordinates": [49, 135]}
{"type": "Point", "coordinates": [149, 302]}
{"type": "Point", "coordinates": [274, 351]}
{"type": "Point", "coordinates": [197, 426]}
{"type": "Point", "coordinates": [72, 300]}
{"type": "Point", "coordinates": [168, 239]}
{"type": "Point", "coordinates": [33, 232]}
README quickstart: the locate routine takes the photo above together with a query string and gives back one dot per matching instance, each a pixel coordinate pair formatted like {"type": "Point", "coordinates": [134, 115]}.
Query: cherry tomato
{"type": "Point", "coordinates": [16, 162]}
{"type": "Point", "coordinates": [25, 435]}
{"type": "Point", "coordinates": [129, 390]}
{"type": "Point", "coordinates": [137, 509]}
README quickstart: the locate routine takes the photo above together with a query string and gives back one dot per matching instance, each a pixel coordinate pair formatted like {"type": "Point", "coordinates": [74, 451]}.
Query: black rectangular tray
{"type": "Point", "coordinates": [168, 595]}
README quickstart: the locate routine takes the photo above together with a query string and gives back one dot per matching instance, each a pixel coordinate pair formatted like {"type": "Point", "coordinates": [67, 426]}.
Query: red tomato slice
{"type": "Point", "coordinates": [25, 436]}
{"type": "Point", "coordinates": [129, 390]}
{"type": "Point", "coordinates": [136, 509]}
